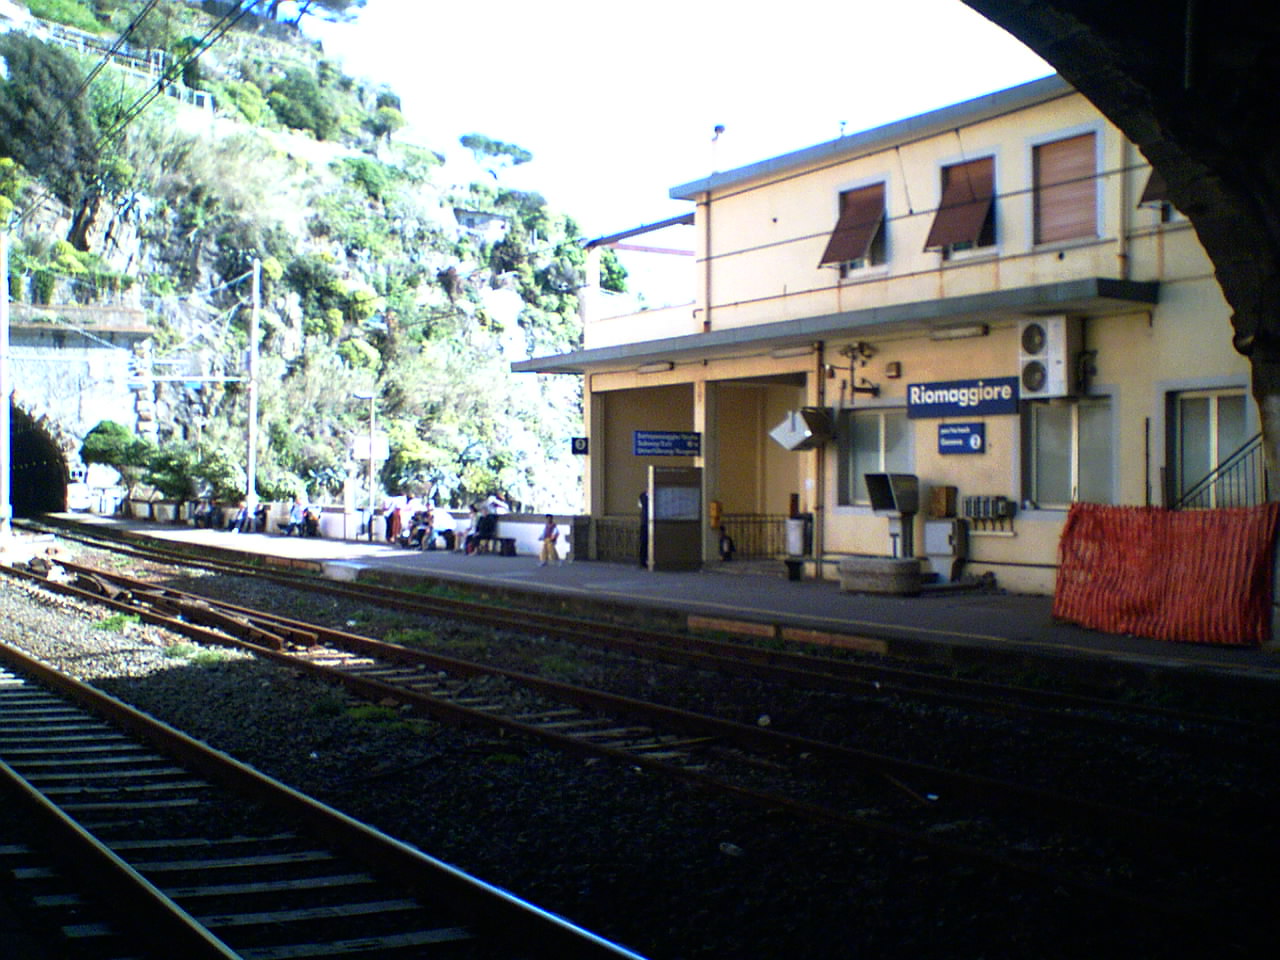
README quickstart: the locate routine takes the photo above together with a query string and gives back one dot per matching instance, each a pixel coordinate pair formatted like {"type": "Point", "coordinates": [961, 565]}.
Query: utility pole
{"type": "Point", "coordinates": [251, 476]}
{"type": "Point", "coordinates": [6, 396]}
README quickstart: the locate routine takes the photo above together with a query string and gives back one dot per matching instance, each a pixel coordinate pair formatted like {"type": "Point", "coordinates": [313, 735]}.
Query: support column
{"type": "Point", "coordinates": [706, 422]}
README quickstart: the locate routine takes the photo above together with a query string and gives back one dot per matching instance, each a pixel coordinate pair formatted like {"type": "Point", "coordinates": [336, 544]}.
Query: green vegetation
{"type": "Point", "coordinates": [119, 622]}
{"type": "Point", "coordinates": [378, 275]}
{"type": "Point", "coordinates": [74, 13]}
{"type": "Point", "coordinates": [195, 654]}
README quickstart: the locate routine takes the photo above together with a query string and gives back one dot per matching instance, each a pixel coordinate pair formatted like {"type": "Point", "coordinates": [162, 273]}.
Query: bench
{"type": "Point", "coordinates": [503, 546]}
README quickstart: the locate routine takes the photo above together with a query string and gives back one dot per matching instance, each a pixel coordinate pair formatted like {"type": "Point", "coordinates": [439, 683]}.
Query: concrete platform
{"type": "Point", "coordinates": [959, 626]}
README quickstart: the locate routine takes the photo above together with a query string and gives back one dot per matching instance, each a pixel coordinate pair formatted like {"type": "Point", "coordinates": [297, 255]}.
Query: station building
{"type": "Point", "coordinates": [994, 299]}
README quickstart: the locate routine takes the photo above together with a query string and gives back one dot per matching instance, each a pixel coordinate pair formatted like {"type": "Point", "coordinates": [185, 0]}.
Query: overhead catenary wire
{"type": "Point", "coordinates": [145, 99]}
{"type": "Point", "coordinates": [104, 59]}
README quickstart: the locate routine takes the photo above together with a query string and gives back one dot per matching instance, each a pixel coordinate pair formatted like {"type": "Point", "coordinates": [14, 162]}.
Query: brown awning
{"type": "Point", "coordinates": [967, 192]}
{"type": "Point", "coordinates": [861, 214]}
{"type": "Point", "coordinates": [1156, 191]}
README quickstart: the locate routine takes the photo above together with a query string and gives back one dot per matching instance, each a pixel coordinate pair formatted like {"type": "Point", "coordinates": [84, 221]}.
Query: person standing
{"type": "Point", "coordinates": [550, 536]}
{"type": "Point", "coordinates": [295, 518]}
{"type": "Point", "coordinates": [644, 528]}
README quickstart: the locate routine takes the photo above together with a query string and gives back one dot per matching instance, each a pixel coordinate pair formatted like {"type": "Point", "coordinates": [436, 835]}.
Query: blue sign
{"type": "Point", "coordinates": [957, 398]}
{"type": "Point", "coordinates": [666, 443]}
{"type": "Point", "coordinates": [962, 438]}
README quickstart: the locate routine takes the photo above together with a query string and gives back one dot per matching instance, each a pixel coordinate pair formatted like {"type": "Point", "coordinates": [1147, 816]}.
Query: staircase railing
{"type": "Point", "coordinates": [1239, 481]}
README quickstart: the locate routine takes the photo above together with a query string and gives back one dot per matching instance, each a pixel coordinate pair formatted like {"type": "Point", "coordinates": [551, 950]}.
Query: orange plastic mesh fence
{"type": "Point", "coordinates": [1195, 576]}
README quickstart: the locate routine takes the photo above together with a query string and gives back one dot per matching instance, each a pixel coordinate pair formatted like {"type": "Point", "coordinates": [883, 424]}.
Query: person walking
{"type": "Point", "coordinates": [550, 536]}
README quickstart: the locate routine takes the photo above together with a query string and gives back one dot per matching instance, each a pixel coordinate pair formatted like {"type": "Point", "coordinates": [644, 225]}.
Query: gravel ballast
{"type": "Point", "coordinates": [662, 869]}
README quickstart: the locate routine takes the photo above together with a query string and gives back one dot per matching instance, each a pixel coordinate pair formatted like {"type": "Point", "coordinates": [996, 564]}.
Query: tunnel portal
{"type": "Point", "coordinates": [38, 469]}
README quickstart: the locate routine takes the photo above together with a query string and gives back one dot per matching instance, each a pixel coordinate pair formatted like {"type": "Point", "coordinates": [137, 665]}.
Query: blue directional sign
{"type": "Point", "coordinates": [962, 438]}
{"type": "Point", "coordinates": [666, 443]}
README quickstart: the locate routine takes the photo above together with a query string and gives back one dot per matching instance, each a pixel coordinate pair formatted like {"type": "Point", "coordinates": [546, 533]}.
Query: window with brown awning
{"type": "Point", "coordinates": [860, 223]}
{"type": "Point", "coordinates": [1066, 190]}
{"type": "Point", "coordinates": [966, 213]}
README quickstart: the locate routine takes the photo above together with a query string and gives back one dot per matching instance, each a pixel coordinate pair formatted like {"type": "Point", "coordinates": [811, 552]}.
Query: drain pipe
{"type": "Point", "coordinates": [820, 467]}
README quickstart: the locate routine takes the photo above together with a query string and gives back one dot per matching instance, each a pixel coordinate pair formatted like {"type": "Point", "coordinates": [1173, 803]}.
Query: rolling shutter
{"type": "Point", "coordinates": [1066, 194]}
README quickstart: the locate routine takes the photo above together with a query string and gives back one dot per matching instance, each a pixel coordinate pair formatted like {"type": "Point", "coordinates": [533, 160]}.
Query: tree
{"type": "Point", "coordinates": [115, 445]}
{"type": "Point", "coordinates": [495, 150]}
{"type": "Point", "coordinates": [383, 122]}
{"type": "Point", "coordinates": [171, 470]}
{"type": "Point", "coordinates": [47, 125]}
{"type": "Point", "coordinates": [299, 102]}
{"type": "Point", "coordinates": [335, 11]}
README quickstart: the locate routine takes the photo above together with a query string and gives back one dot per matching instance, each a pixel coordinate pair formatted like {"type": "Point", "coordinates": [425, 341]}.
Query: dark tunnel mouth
{"type": "Point", "coordinates": [38, 469]}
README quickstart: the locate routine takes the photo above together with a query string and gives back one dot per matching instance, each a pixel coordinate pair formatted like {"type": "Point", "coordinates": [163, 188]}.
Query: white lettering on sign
{"type": "Point", "coordinates": [961, 396]}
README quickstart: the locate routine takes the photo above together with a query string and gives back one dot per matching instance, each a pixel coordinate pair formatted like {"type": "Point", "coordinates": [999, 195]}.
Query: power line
{"type": "Point", "coordinates": [104, 60]}
{"type": "Point", "coordinates": [148, 96]}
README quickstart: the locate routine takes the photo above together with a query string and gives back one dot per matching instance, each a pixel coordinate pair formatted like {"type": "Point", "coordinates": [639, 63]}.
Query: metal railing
{"type": "Point", "coordinates": [757, 536]}
{"type": "Point", "coordinates": [1239, 481]}
{"type": "Point", "coordinates": [617, 539]}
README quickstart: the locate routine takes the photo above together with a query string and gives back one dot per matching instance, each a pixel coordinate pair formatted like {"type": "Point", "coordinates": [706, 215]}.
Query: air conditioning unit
{"type": "Point", "coordinates": [1047, 351]}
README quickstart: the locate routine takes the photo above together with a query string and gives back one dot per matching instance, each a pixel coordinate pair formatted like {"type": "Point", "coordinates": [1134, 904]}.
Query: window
{"type": "Point", "coordinates": [858, 240]}
{"type": "Point", "coordinates": [1065, 192]}
{"type": "Point", "coordinates": [1156, 196]}
{"type": "Point", "coordinates": [871, 441]}
{"type": "Point", "coordinates": [1208, 427]}
{"type": "Point", "coordinates": [966, 217]}
{"type": "Point", "coordinates": [1069, 457]}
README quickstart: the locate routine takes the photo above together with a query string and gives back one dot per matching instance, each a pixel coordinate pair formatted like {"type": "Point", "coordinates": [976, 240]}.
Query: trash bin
{"type": "Point", "coordinates": [800, 535]}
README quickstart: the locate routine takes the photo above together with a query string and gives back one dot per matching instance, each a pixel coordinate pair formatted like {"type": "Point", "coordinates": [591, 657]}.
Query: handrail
{"type": "Point", "coordinates": [1238, 481]}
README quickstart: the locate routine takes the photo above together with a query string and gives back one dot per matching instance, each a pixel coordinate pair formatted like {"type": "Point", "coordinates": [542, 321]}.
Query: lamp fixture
{"type": "Point", "coordinates": [661, 366]}
{"type": "Point", "coordinates": [781, 353]}
{"type": "Point", "coordinates": [958, 333]}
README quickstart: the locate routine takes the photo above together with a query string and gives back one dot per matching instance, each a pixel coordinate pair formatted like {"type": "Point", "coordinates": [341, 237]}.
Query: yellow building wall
{"type": "Point", "coordinates": [765, 238]}
{"type": "Point", "coordinates": [755, 475]}
{"type": "Point", "coordinates": [625, 411]}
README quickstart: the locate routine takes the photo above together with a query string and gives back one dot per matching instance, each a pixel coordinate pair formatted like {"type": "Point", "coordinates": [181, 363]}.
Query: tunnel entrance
{"type": "Point", "coordinates": [38, 469]}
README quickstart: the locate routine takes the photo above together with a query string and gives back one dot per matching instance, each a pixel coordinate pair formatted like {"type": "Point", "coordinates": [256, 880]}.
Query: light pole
{"type": "Point", "coordinates": [371, 398]}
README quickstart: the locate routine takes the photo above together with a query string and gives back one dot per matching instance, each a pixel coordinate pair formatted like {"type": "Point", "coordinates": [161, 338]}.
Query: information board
{"type": "Point", "coordinates": [962, 438]}
{"type": "Point", "coordinates": [666, 443]}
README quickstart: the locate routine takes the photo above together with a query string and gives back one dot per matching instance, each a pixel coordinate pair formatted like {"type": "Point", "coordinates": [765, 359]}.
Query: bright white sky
{"type": "Point", "coordinates": [618, 102]}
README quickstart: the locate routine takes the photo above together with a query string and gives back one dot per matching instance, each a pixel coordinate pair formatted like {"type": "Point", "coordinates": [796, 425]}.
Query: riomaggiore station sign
{"type": "Point", "coordinates": [992, 396]}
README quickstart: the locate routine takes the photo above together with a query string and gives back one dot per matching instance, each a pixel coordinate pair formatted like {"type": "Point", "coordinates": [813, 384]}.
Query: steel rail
{"type": "Point", "coordinates": [1058, 707]}
{"type": "Point", "coordinates": [1113, 818]}
{"type": "Point", "coordinates": [380, 690]}
{"type": "Point", "coordinates": [142, 908]}
{"type": "Point", "coordinates": [483, 905]}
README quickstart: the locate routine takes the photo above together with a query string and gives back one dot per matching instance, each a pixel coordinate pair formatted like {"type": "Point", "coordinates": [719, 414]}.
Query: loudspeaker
{"type": "Point", "coordinates": [805, 428]}
{"type": "Point", "coordinates": [1047, 351]}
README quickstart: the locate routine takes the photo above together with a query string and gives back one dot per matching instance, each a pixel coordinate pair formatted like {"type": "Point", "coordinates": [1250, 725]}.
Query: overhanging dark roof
{"type": "Point", "coordinates": [1092, 296]}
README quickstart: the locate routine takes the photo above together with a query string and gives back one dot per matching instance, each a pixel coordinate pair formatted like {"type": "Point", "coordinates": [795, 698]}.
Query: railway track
{"type": "Point", "coordinates": [1216, 731]}
{"type": "Point", "coordinates": [700, 749]}
{"type": "Point", "coordinates": [200, 856]}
